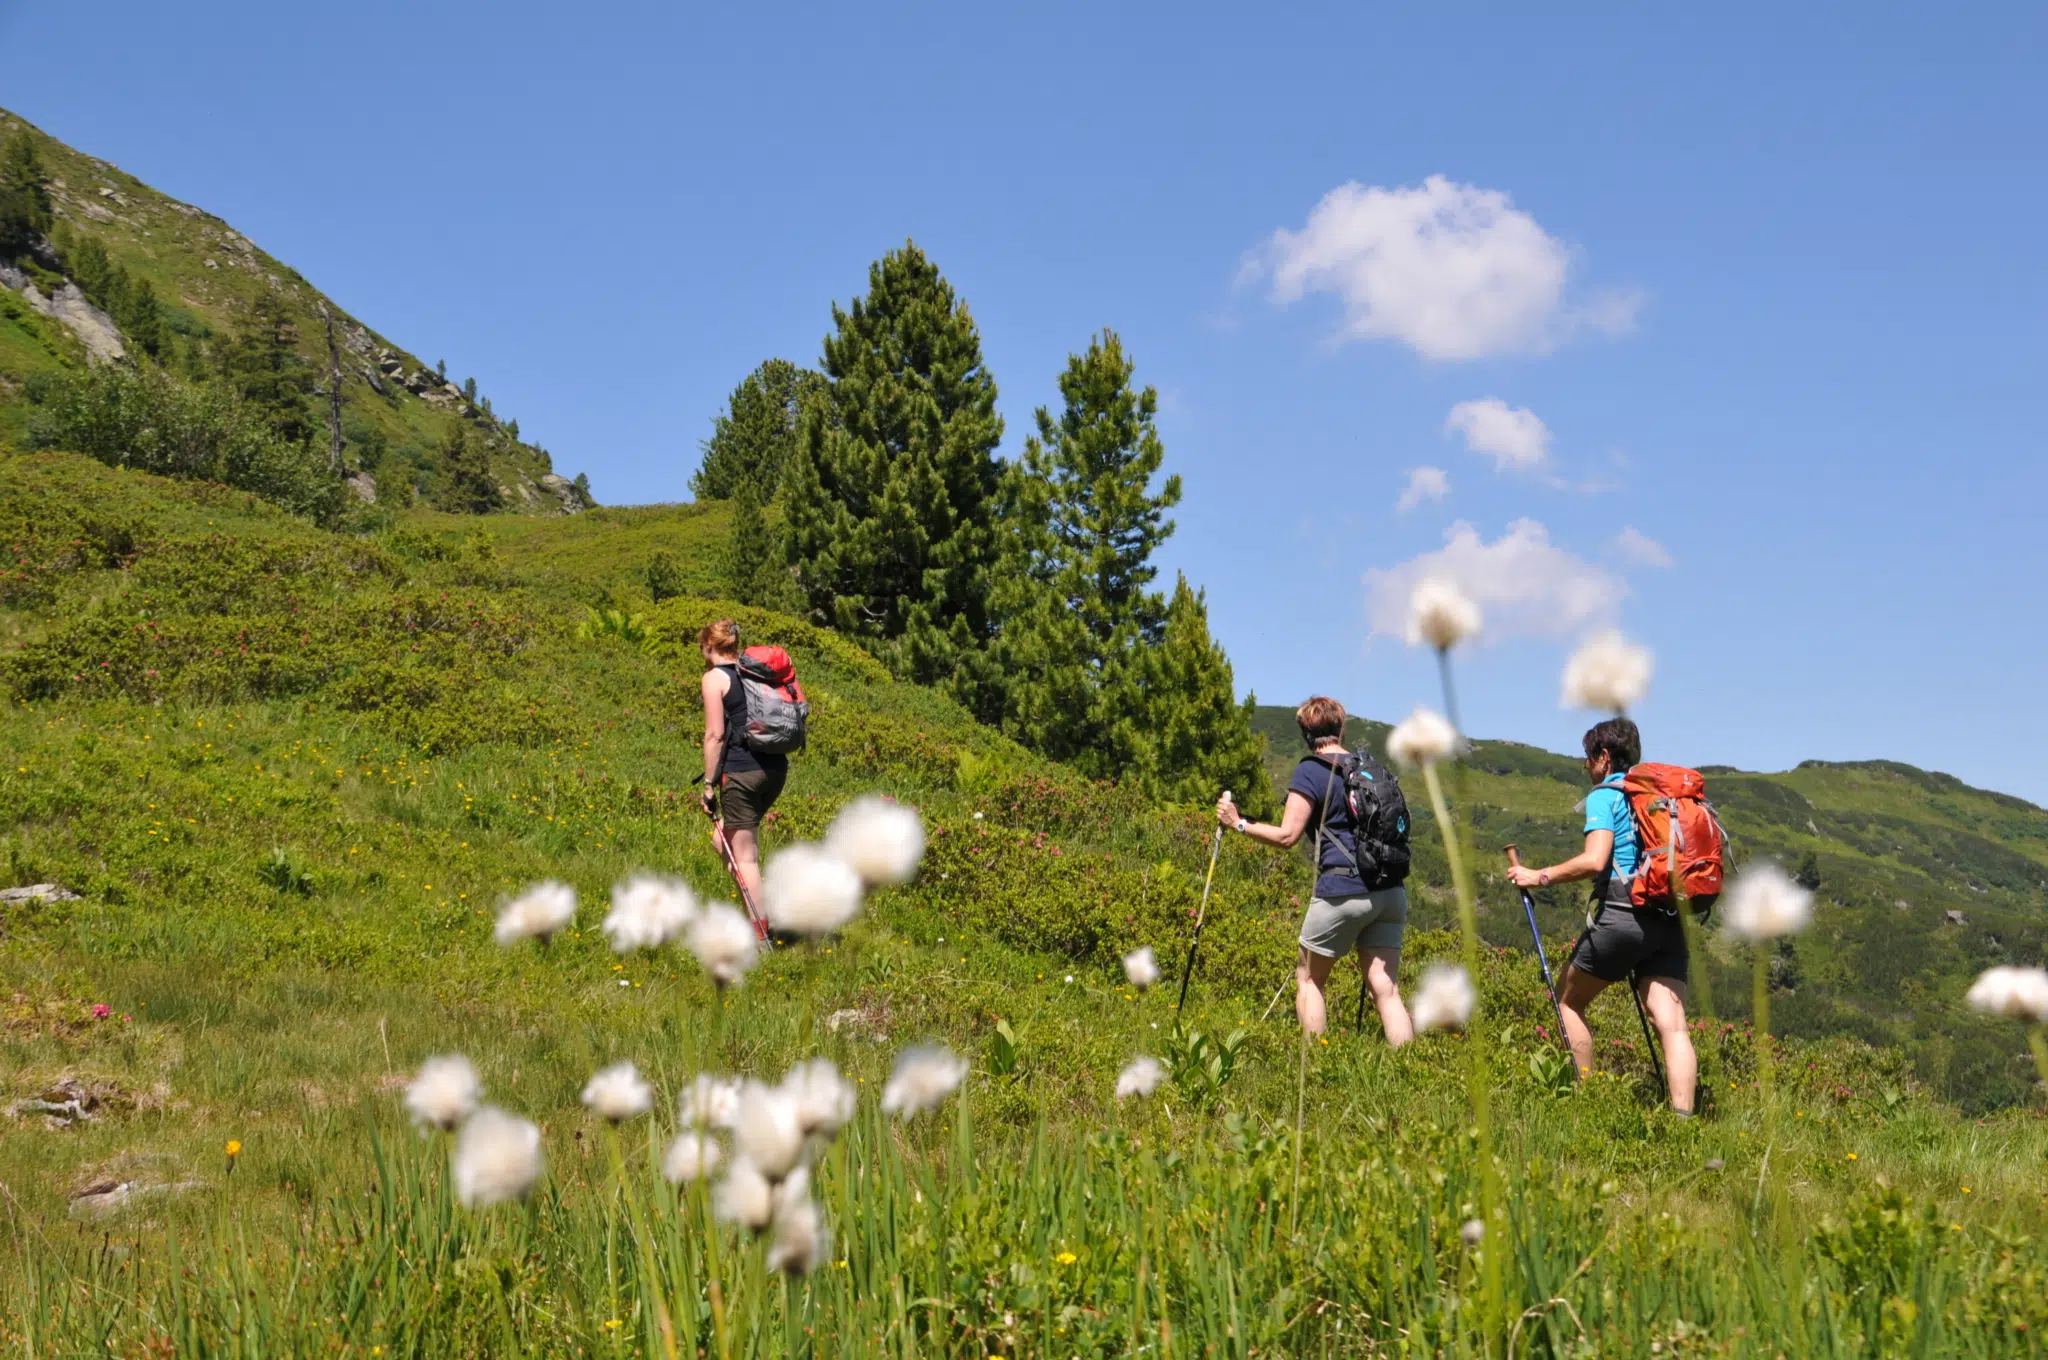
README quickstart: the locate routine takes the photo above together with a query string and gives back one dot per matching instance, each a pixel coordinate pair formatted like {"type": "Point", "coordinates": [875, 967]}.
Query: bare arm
{"type": "Point", "coordinates": [1293, 821]}
{"type": "Point", "coordinates": [714, 688]}
{"type": "Point", "coordinates": [1588, 863]}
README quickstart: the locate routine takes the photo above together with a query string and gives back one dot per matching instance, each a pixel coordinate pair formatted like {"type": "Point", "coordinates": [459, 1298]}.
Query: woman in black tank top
{"type": "Point", "coordinates": [740, 783]}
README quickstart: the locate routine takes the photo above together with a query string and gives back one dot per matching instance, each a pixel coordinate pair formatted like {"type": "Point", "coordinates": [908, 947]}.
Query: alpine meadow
{"type": "Point", "coordinates": [367, 986]}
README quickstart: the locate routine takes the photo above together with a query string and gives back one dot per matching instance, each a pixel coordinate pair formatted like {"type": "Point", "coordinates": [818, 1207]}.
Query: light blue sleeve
{"type": "Point", "coordinates": [1605, 809]}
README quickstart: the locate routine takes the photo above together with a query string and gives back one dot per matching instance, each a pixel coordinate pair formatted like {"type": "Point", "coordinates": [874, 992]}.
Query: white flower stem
{"type": "Point", "coordinates": [2037, 1039]}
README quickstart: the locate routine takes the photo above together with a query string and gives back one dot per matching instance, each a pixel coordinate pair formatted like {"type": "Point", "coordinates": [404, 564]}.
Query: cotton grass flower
{"type": "Point", "coordinates": [1472, 1233]}
{"type": "Point", "coordinates": [649, 911]}
{"type": "Point", "coordinates": [1444, 999]}
{"type": "Point", "coordinates": [691, 1157]}
{"type": "Point", "coordinates": [1141, 967]}
{"type": "Point", "coordinates": [767, 1132]}
{"type": "Point", "coordinates": [619, 1093]}
{"type": "Point", "coordinates": [925, 1075]}
{"type": "Point", "coordinates": [824, 1100]}
{"type": "Point", "coordinates": [1423, 738]}
{"type": "Point", "coordinates": [1763, 904]}
{"type": "Point", "coordinates": [2017, 993]}
{"type": "Point", "coordinates": [445, 1092]}
{"type": "Point", "coordinates": [1441, 614]}
{"type": "Point", "coordinates": [1141, 1078]}
{"type": "Point", "coordinates": [1607, 672]}
{"type": "Point", "coordinates": [881, 839]}
{"type": "Point", "coordinates": [540, 913]}
{"type": "Point", "coordinates": [710, 1102]}
{"type": "Point", "coordinates": [723, 940]}
{"type": "Point", "coordinates": [809, 890]}
{"type": "Point", "coordinates": [800, 1238]}
{"type": "Point", "coordinates": [744, 1196]}
{"type": "Point", "coordinates": [497, 1158]}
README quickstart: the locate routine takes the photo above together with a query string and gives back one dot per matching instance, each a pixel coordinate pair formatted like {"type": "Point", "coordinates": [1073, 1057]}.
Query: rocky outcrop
{"type": "Point", "coordinates": [365, 487]}
{"type": "Point", "coordinates": [565, 493]}
{"type": "Point", "coordinates": [102, 338]}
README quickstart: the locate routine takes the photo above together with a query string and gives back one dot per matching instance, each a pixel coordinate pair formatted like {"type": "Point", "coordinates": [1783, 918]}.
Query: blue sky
{"type": "Point", "coordinates": [1761, 283]}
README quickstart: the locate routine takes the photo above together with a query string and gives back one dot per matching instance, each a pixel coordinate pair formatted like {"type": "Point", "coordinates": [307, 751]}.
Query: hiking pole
{"type": "Point", "coordinates": [1201, 916]}
{"type": "Point", "coordinates": [1542, 959]}
{"type": "Point", "coordinates": [732, 867]}
{"type": "Point", "coordinates": [1649, 1042]}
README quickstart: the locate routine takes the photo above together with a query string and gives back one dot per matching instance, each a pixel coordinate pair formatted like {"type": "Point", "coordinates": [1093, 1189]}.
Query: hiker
{"type": "Point", "coordinates": [1622, 940]}
{"type": "Point", "coordinates": [740, 783]}
{"type": "Point", "coordinates": [1345, 912]}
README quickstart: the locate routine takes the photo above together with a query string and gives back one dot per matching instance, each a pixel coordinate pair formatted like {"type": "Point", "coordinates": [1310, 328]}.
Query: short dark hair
{"type": "Point", "coordinates": [1619, 738]}
{"type": "Point", "coordinates": [1320, 718]}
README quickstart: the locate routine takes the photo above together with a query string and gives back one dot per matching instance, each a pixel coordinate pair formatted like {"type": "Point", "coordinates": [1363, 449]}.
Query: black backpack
{"type": "Point", "coordinates": [1379, 816]}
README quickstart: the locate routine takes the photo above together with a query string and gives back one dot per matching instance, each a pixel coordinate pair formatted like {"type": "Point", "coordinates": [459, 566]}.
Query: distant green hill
{"type": "Point", "coordinates": [1924, 881]}
{"type": "Point", "coordinates": [395, 407]}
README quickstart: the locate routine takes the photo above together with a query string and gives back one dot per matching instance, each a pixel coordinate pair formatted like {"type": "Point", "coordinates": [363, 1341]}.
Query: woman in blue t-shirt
{"type": "Point", "coordinates": [1344, 913]}
{"type": "Point", "coordinates": [1621, 940]}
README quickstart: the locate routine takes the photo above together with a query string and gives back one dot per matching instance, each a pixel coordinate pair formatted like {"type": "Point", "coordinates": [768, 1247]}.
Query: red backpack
{"type": "Point", "coordinates": [1680, 845]}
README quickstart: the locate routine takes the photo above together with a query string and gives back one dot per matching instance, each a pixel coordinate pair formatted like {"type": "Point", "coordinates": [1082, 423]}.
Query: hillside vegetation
{"type": "Point", "coordinates": [290, 773]}
{"type": "Point", "coordinates": [124, 274]}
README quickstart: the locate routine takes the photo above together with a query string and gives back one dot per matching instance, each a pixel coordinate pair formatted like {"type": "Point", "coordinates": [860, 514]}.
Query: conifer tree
{"type": "Point", "coordinates": [24, 196]}
{"type": "Point", "coordinates": [751, 441]}
{"type": "Point", "coordinates": [890, 493]}
{"type": "Point", "coordinates": [1177, 726]}
{"type": "Point", "coordinates": [752, 565]}
{"type": "Point", "coordinates": [263, 363]}
{"type": "Point", "coordinates": [143, 319]}
{"type": "Point", "coordinates": [467, 487]}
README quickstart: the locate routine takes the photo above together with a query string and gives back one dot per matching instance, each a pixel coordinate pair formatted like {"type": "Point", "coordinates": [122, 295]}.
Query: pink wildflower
{"type": "Point", "coordinates": [101, 1011]}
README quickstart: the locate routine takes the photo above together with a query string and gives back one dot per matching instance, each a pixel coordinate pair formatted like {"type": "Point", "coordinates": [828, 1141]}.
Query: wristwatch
{"type": "Point", "coordinates": [1244, 824]}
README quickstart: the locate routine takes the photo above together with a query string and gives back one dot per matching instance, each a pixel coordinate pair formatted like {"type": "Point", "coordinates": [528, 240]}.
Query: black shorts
{"type": "Point", "coordinates": [1640, 940]}
{"type": "Point", "coordinates": [744, 796]}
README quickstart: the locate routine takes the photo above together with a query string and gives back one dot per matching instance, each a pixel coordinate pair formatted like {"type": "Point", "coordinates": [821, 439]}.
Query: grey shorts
{"type": "Point", "coordinates": [1641, 941]}
{"type": "Point", "coordinates": [745, 796]}
{"type": "Point", "coordinates": [1337, 925]}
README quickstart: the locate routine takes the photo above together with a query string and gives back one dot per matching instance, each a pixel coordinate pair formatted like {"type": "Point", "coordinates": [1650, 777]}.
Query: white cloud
{"type": "Point", "coordinates": [1528, 586]}
{"type": "Point", "coordinates": [1512, 435]}
{"type": "Point", "coordinates": [1639, 547]}
{"type": "Point", "coordinates": [1424, 484]}
{"type": "Point", "coordinates": [1451, 270]}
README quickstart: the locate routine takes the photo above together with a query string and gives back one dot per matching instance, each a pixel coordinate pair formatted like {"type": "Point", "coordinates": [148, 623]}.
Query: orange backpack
{"type": "Point", "coordinates": [1680, 845]}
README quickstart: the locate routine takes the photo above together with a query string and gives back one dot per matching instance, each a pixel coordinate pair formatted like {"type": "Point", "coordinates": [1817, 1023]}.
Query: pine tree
{"type": "Point", "coordinates": [142, 319]}
{"type": "Point", "coordinates": [467, 487]}
{"type": "Point", "coordinates": [263, 363]}
{"type": "Point", "coordinates": [1173, 720]}
{"type": "Point", "coordinates": [890, 491]}
{"type": "Point", "coordinates": [1081, 525]}
{"type": "Point", "coordinates": [752, 440]}
{"type": "Point", "coordinates": [24, 196]}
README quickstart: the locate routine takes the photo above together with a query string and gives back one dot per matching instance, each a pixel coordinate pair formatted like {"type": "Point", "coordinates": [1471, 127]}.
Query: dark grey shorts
{"type": "Point", "coordinates": [1639, 940]}
{"type": "Point", "coordinates": [745, 796]}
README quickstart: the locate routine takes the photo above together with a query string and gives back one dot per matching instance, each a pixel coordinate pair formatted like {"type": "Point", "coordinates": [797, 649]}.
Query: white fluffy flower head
{"type": "Point", "coordinates": [619, 1093]}
{"type": "Point", "coordinates": [744, 1196]}
{"type": "Point", "coordinates": [497, 1158]}
{"type": "Point", "coordinates": [1141, 967]}
{"type": "Point", "coordinates": [1608, 672]}
{"type": "Point", "coordinates": [1763, 904]}
{"type": "Point", "coordinates": [692, 1156]}
{"type": "Point", "coordinates": [710, 1102]}
{"type": "Point", "coordinates": [809, 890]}
{"type": "Point", "coordinates": [824, 1100]}
{"type": "Point", "coordinates": [1444, 999]}
{"type": "Point", "coordinates": [542, 911]}
{"type": "Point", "coordinates": [1441, 614]}
{"type": "Point", "coordinates": [881, 839]}
{"type": "Point", "coordinates": [723, 940]}
{"type": "Point", "coordinates": [445, 1092]}
{"type": "Point", "coordinates": [1423, 738]}
{"type": "Point", "coordinates": [800, 1238]}
{"type": "Point", "coordinates": [1140, 1078]}
{"type": "Point", "coordinates": [2020, 993]}
{"type": "Point", "coordinates": [649, 911]}
{"type": "Point", "coordinates": [924, 1076]}
{"type": "Point", "coordinates": [767, 1132]}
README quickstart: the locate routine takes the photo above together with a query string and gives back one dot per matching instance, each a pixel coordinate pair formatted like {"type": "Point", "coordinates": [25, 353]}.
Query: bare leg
{"type": "Point", "coordinates": [1311, 977]}
{"type": "Point", "coordinates": [1574, 995]}
{"type": "Point", "coordinates": [1664, 999]}
{"type": "Point", "coordinates": [746, 853]}
{"type": "Point", "coordinates": [1382, 969]}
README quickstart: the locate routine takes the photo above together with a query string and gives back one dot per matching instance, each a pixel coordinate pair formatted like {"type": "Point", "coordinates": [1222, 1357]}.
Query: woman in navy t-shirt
{"type": "Point", "coordinates": [1343, 913]}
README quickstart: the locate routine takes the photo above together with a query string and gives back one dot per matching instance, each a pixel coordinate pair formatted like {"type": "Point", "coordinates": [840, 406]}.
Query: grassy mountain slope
{"type": "Point", "coordinates": [394, 406]}
{"type": "Point", "coordinates": [1924, 882]}
{"type": "Point", "coordinates": [290, 773]}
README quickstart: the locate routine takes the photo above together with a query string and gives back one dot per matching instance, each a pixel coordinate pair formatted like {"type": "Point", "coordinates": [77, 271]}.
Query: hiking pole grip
{"type": "Point", "coordinates": [1514, 855]}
